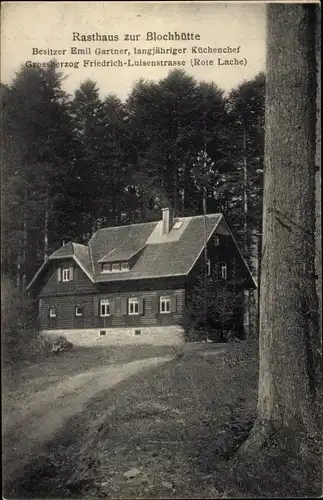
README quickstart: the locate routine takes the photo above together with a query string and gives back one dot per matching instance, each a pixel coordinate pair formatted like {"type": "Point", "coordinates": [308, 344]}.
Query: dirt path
{"type": "Point", "coordinates": [34, 421]}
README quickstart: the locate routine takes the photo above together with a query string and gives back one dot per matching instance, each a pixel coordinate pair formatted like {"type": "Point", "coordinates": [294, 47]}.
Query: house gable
{"type": "Point", "coordinates": [63, 276]}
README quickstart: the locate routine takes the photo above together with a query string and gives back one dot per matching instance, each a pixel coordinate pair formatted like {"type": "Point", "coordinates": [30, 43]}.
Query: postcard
{"type": "Point", "coordinates": [160, 180]}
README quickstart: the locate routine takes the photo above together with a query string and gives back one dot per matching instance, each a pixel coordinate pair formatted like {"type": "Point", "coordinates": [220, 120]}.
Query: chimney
{"type": "Point", "coordinates": [167, 220]}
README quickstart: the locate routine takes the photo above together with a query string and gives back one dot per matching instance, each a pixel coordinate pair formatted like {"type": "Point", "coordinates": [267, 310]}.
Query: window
{"type": "Point", "coordinates": [164, 305]}
{"type": "Point", "coordinates": [124, 266]}
{"type": "Point", "coordinates": [79, 311]}
{"type": "Point", "coordinates": [105, 307]}
{"type": "Point", "coordinates": [216, 241]}
{"type": "Point", "coordinates": [115, 267]}
{"type": "Point", "coordinates": [52, 312]}
{"type": "Point", "coordinates": [106, 268]}
{"type": "Point", "coordinates": [67, 274]}
{"type": "Point", "coordinates": [224, 271]}
{"type": "Point", "coordinates": [133, 306]}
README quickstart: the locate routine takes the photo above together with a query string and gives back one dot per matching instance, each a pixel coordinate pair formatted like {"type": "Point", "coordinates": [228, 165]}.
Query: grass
{"type": "Point", "coordinates": [178, 426]}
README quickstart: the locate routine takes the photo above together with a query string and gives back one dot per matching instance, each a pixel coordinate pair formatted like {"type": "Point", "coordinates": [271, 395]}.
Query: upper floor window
{"type": "Point", "coordinates": [115, 267]}
{"type": "Point", "coordinates": [124, 266]}
{"type": "Point", "coordinates": [106, 268]}
{"type": "Point", "coordinates": [216, 240]}
{"type": "Point", "coordinates": [65, 273]}
{"type": "Point", "coordinates": [133, 306]}
{"type": "Point", "coordinates": [165, 305]}
{"type": "Point", "coordinates": [105, 307]}
{"type": "Point", "coordinates": [224, 271]}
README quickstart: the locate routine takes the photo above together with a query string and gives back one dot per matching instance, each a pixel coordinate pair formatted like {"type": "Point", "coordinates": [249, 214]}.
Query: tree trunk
{"type": "Point", "coordinates": [46, 217]}
{"type": "Point", "coordinates": [289, 371]}
{"type": "Point", "coordinates": [318, 180]}
{"type": "Point", "coordinates": [246, 308]}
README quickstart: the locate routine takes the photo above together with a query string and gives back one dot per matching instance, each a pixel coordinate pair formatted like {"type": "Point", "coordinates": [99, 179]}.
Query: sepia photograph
{"type": "Point", "coordinates": [161, 262]}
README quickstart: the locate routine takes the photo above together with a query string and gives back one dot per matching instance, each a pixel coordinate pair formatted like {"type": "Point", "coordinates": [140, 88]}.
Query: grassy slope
{"type": "Point", "coordinates": [175, 425]}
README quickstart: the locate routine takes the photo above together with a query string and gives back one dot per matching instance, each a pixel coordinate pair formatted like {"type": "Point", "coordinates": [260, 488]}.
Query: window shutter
{"type": "Point", "coordinates": [59, 274]}
{"type": "Point", "coordinates": [71, 273]}
{"type": "Point", "coordinates": [96, 306]}
{"type": "Point", "coordinates": [141, 306]}
{"type": "Point", "coordinates": [112, 307]}
{"type": "Point", "coordinates": [173, 304]}
{"type": "Point", "coordinates": [154, 304]}
{"type": "Point", "coordinates": [124, 307]}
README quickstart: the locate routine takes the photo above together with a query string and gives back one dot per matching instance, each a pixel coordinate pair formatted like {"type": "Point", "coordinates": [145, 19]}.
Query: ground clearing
{"type": "Point", "coordinates": [166, 418]}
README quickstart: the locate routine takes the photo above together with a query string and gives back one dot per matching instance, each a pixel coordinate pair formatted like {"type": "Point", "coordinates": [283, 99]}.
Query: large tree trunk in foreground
{"type": "Point", "coordinates": [289, 377]}
{"type": "Point", "coordinates": [318, 180]}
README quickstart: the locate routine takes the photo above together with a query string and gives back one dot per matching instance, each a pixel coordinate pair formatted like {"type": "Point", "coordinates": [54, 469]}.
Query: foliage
{"type": "Point", "coordinates": [213, 309]}
{"type": "Point", "coordinates": [19, 335]}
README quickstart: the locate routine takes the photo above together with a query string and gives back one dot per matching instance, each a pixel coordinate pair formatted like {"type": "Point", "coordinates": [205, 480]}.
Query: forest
{"type": "Point", "coordinates": [74, 163]}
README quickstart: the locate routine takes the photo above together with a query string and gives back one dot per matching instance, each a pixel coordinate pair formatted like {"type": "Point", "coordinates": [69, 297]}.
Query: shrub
{"type": "Point", "coordinates": [213, 312]}
{"type": "Point", "coordinates": [19, 326]}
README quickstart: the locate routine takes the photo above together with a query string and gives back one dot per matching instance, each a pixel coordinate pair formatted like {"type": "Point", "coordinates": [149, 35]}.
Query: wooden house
{"type": "Point", "coordinates": [131, 283]}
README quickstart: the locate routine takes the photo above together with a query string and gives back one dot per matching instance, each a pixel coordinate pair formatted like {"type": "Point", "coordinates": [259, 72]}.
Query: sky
{"type": "Point", "coordinates": [26, 26]}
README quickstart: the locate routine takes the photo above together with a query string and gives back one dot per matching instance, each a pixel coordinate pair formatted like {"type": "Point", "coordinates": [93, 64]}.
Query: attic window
{"type": "Point", "coordinates": [216, 241]}
{"type": "Point", "coordinates": [178, 224]}
{"type": "Point", "coordinates": [67, 274]}
{"type": "Point", "coordinates": [116, 267]}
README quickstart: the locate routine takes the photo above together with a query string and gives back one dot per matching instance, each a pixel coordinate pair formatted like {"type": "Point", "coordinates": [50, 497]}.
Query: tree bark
{"type": "Point", "coordinates": [246, 312]}
{"type": "Point", "coordinates": [289, 370]}
{"type": "Point", "coordinates": [46, 217]}
{"type": "Point", "coordinates": [318, 180]}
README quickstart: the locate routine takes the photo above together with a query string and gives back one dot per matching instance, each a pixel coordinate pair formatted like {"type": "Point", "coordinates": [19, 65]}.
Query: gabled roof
{"type": "Point", "coordinates": [157, 255]}
{"type": "Point", "coordinates": [162, 255]}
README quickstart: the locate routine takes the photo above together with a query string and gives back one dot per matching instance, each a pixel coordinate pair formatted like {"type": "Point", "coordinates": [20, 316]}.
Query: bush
{"type": "Point", "coordinates": [19, 326]}
{"type": "Point", "coordinates": [60, 344]}
{"type": "Point", "coordinates": [214, 310]}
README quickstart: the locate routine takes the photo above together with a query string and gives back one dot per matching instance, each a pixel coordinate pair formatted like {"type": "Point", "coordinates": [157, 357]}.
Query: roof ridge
{"type": "Point", "coordinates": [154, 222]}
{"type": "Point", "coordinates": [126, 225]}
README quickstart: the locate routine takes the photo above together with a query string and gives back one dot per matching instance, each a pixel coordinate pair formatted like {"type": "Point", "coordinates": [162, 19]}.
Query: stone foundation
{"type": "Point", "coordinates": [155, 335]}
